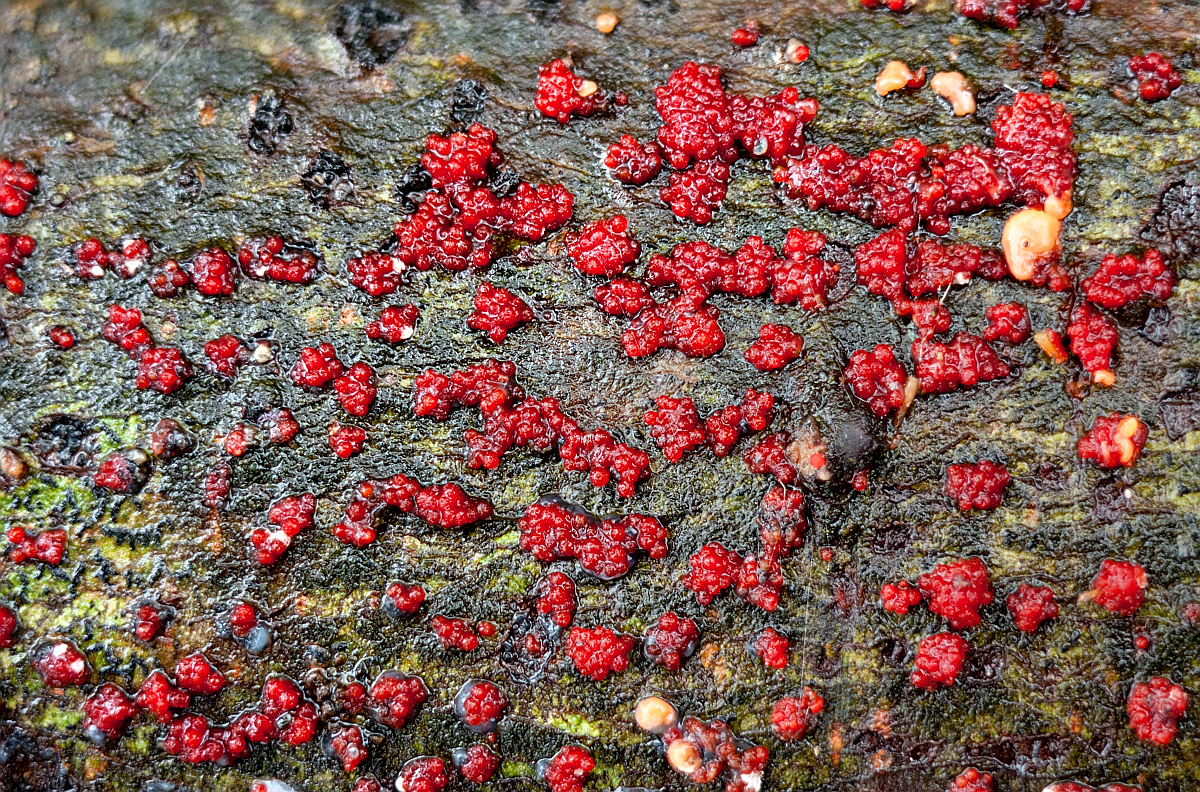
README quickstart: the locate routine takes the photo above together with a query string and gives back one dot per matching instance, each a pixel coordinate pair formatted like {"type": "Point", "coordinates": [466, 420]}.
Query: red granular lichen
{"type": "Point", "coordinates": [49, 546]}
{"type": "Point", "coordinates": [604, 247]}
{"type": "Point", "coordinates": [1033, 142]}
{"type": "Point", "coordinates": [704, 751]}
{"type": "Point", "coordinates": [280, 424]}
{"type": "Point", "coordinates": [290, 516]}
{"type": "Point", "coordinates": [726, 426]}
{"type": "Point", "coordinates": [971, 780]}
{"type": "Point", "coordinates": [192, 739]}
{"type": "Point", "coordinates": [317, 366]}
{"type": "Point", "coordinates": [745, 37]}
{"type": "Point", "coordinates": [1007, 322]}
{"type": "Point", "coordinates": [671, 640]}
{"type": "Point", "coordinates": [711, 570]}
{"type": "Point", "coordinates": [679, 324]}
{"type": "Point", "coordinates": [61, 664]}
{"type": "Point", "coordinates": [376, 273]}
{"type": "Point", "coordinates": [1121, 280]}
{"type": "Point", "coordinates": [534, 211]}
{"type": "Point", "coordinates": [877, 378]}
{"type": "Point", "coordinates": [963, 363]}
{"type": "Point", "coordinates": [1030, 606]}
{"type": "Point", "coordinates": [9, 624]}
{"type": "Point", "coordinates": [477, 763]}
{"type": "Point", "coordinates": [675, 426]}
{"type": "Point", "coordinates": [440, 505]}
{"type": "Point", "coordinates": [1093, 339]}
{"type": "Point", "coordinates": [355, 389]}
{"type": "Point", "coordinates": [159, 695]}
{"type": "Point", "coordinates": [272, 258]}
{"type": "Point", "coordinates": [404, 598]}
{"type": "Point", "coordinates": [196, 675]}
{"type": "Point", "coordinates": [936, 266]}
{"type": "Point", "coordinates": [632, 162]}
{"type": "Point", "coordinates": [242, 619]}
{"type": "Point", "coordinates": [395, 324]}
{"type": "Point", "coordinates": [346, 440]}
{"type": "Point", "coordinates": [793, 716]}
{"type": "Point", "coordinates": [899, 597]}
{"type": "Point", "coordinates": [346, 745]}
{"type": "Point", "coordinates": [777, 345]}
{"type": "Point", "coordinates": [939, 659]}
{"type": "Point", "coordinates": [226, 354]}
{"type": "Point", "coordinates": [1114, 440]}
{"type": "Point", "coordinates": [454, 633]}
{"type": "Point", "coordinates": [607, 549]}
{"type": "Point", "coordinates": [149, 622]}
{"type": "Point", "coordinates": [769, 455]}
{"type": "Point", "coordinates": [976, 486]}
{"type": "Point", "coordinates": [696, 193]}
{"type": "Point", "coordinates": [957, 591]}
{"type": "Point", "coordinates": [13, 252]}
{"type": "Point", "coordinates": [598, 652]}
{"type": "Point", "coordinates": [561, 94]}
{"type": "Point", "coordinates": [423, 774]}
{"type": "Point", "coordinates": [929, 316]}
{"type": "Point", "coordinates": [771, 647]}
{"type": "Point", "coordinates": [125, 329]}
{"type": "Point", "coordinates": [393, 698]}
{"type": "Point", "coordinates": [1156, 77]}
{"type": "Point", "coordinates": [106, 712]}
{"type": "Point", "coordinates": [497, 311]}
{"type": "Point", "coordinates": [17, 184]}
{"type": "Point", "coordinates": [1119, 587]}
{"type": "Point", "coordinates": [1154, 708]}
{"type": "Point", "coordinates": [802, 276]}
{"type": "Point", "coordinates": [568, 769]}
{"type": "Point", "coordinates": [167, 279]}
{"type": "Point", "coordinates": [480, 705]}
{"type": "Point", "coordinates": [213, 272]}
{"type": "Point", "coordinates": [556, 598]}
{"type": "Point", "coordinates": [164, 369]}
{"type": "Point", "coordinates": [881, 264]}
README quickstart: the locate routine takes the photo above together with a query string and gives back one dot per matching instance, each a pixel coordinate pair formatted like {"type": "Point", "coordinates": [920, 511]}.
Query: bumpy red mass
{"type": "Point", "coordinates": [1114, 440]}
{"type": "Point", "coordinates": [1156, 77]}
{"type": "Point", "coordinates": [497, 311]}
{"type": "Point", "coordinates": [226, 354]}
{"type": "Point", "coordinates": [632, 162]}
{"type": "Point", "coordinates": [440, 505]}
{"type": "Point", "coordinates": [355, 389]}
{"type": "Point", "coordinates": [213, 272]}
{"type": "Point", "coordinates": [1119, 587]}
{"type": "Point", "coordinates": [714, 750]}
{"type": "Point", "coordinates": [771, 647]}
{"type": "Point", "coordinates": [561, 94]}
{"type": "Point", "coordinates": [478, 763]}
{"type": "Point", "coordinates": [963, 363]}
{"type": "Point", "coordinates": [877, 378]}
{"type": "Point", "coordinates": [939, 659]}
{"type": "Point", "coordinates": [106, 712]}
{"type": "Point", "coordinates": [777, 345]}
{"type": "Point", "coordinates": [125, 329]}
{"type": "Point", "coordinates": [899, 597]}
{"type": "Point", "coordinates": [275, 259]}
{"type": "Point", "coordinates": [598, 652]}
{"type": "Point", "coordinates": [957, 591]}
{"type": "Point", "coordinates": [13, 252]}
{"type": "Point", "coordinates": [395, 324]}
{"type": "Point", "coordinates": [553, 529]}
{"type": "Point", "coordinates": [393, 698]}
{"type": "Point", "coordinates": [567, 770]}
{"type": "Point", "coordinates": [1121, 280]}
{"type": "Point", "coordinates": [604, 247]}
{"type": "Point", "coordinates": [976, 486]}
{"type": "Point", "coordinates": [556, 598]}
{"type": "Point", "coordinates": [17, 184]}
{"type": "Point", "coordinates": [1007, 322]}
{"type": "Point", "coordinates": [61, 664]}
{"type": "Point", "coordinates": [1093, 340]}
{"type": "Point", "coordinates": [793, 716]}
{"type": "Point", "coordinates": [1030, 606]}
{"type": "Point", "coordinates": [480, 705]}
{"type": "Point", "coordinates": [317, 366]}
{"type": "Point", "coordinates": [1154, 709]}
{"type": "Point", "coordinates": [346, 440]}
{"type": "Point", "coordinates": [670, 640]}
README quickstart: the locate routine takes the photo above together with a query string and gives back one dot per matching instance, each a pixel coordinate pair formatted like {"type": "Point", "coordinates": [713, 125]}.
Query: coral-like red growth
{"type": "Point", "coordinates": [604, 247]}
{"type": "Point", "coordinates": [1156, 77]}
{"type": "Point", "coordinates": [125, 329]}
{"type": "Point", "coordinates": [106, 712]}
{"type": "Point", "coordinates": [552, 529]}
{"type": "Point", "coordinates": [346, 440]}
{"type": "Point", "coordinates": [696, 193]}
{"type": "Point", "coordinates": [976, 486]}
{"type": "Point", "coordinates": [726, 426]}
{"type": "Point", "coordinates": [793, 716]}
{"type": "Point", "coordinates": [568, 769]}
{"type": "Point", "coordinates": [226, 354]}
{"type": "Point", "coordinates": [777, 345]}
{"type": "Point", "coordinates": [486, 385]}
{"type": "Point", "coordinates": [196, 675]}
{"type": "Point", "coordinates": [623, 297]}
{"type": "Point", "coordinates": [317, 366]}
{"type": "Point", "coordinates": [393, 698]}
{"type": "Point", "coordinates": [899, 597]}
{"type": "Point", "coordinates": [1093, 339]}
{"type": "Point", "coordinates": [480, 705]}
{"type": "Point", "coordinates": [671, 640]}
{"type": "Point", "coordinates": [1154, 708]}
{"type": "Point", "coordinates": [440, 505]}
{"type": "Point", "coordinates": [49, 546]}
{"type": "Point", "coordinates": [877, 378]}
{"type": "Point", "coordinates": [561, 94]}
{"type": "Point", "coordinates": [454, 633]}
{"type": "Point", "coordinates": [1121, 280]}
{"type": "Point", "coordinates": [702, 752]}
{"type": "Point", "coordinates": [356, 389]}
{"type": "Point", "coordinates": [376, 273]}
{"type": "Point", "coordinates": [346, 745]}
{"type": "Point", "coordinates": [1007, 322]}
{"type": "Point", "coordinates": [478, 763]}
{"type": "Point", "coordinates": [556, 598]}
{"type": "Point", "coordinates": [61, 664]}
{"type": "Point", "coordinates": [13, 252]}
{"type": "Point", "coordinates": [404, 598]}
{"type": "Point", "coordinates": [1030, 606]}
{"type": "Point", "coordinates": [632, 162]}
{"type": "Point", "coordinates": [213, 272]}
{"type": "Point", "coordinates": [395, 324]}
{"type": "Point", "coordinates": [957, 591]}
{"type": "Point", "coordinates": [971, 780]}
{"type": "Point", "coordinates": [217, 484]}
{"type": "Point", "coordinates": [675, 427]}
{"type": "Point", "coordinates": [164, 369]}
{"type": "Point", "coordinates": [123, 471]}
{"type": "Point", "coordinates": [17, 184]}
{"type": "Point", "coordinates": [939, 659]}
{"type": "Point", "coordinates": [769, 455]}
{"type": "Point", "coordinates": [280, 424]}
{"type": "Point", "coordinates": [277, 260]}
{"type": "Point", "coordinates": [1114, 440]}
{"type": "Point", "coordinates": [801, 276]}
{"type": "Point", "coordinates": [242, 619]}
{"type": "Point", "coordinates": [745, 37]}
{"type": "Point", "coordinates": [963, 363]}
{"type": "Point", "coordinates": [461, 158]}
{"type": "Point", "coordinates": [497, 311]}
{"type": "Point", "coordinates": [159, 695]}
{"type": "Point", "coordinates": [290, 515]}
{"type": "Point", "coordinates": [771, 647]}
{"type": "Point", "coordinates": [1119, 587]}
{"type": "Point", "coordinates": [598, 652]}
{"type": "Point", "coordinates": [1033, 141]}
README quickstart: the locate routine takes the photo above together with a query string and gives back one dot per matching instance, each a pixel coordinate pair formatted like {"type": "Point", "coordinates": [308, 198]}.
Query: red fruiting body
{"type": "Point", "coordinates": [1114, 440]}
{"type": "Point", "coordinates": [13, 252]}
{"type": "Point", "coordinates": [217, 483]}
{"type": "Point", "coordinates": [675, 427]}
{"type": "Point", "coordinates": [801, 276]}
{"type": "Point", "coordinates": [963, 363]}
{"type": "Point", "coordinates": [160, 696]}
{"type": "Point", "coordinates": [167, 279]}
{"type": "Point", "coordinates": [480, 705]}
{"type": "Point", "coordinates": [877, 378]}
{"type": "Point", "coordinates": [793, 716]}
{"type": "Point", "coordinates": [9, 624]}
{"type": "Point", "coordinates": [226, 354]}
{"type": "Point", "coordinates": [976, 486]}
{"type": "Point", "coordinates": [423, 774]}
{"type": "Point", "coordinates": [598, 652]}
{"type": "Point", "coordinates": [149, 623]}
{"type": "Point", "coordinates": [280, 424]}
{"type": "Point", "coordinates": [346, 745]}
{"type": "Point", "coordinates": [486, 385]}
{"type": "Point", "coordinates": [354, 698]}
{"type": "Point", "coordinates": [1030, 606]}
{"type": "Point", "coordinates": [356, 389]}
{"type": "Point", "coordinates": [568, 769]}
{"type": "Point", "coordinates": [769, 455]}
{"type": "Point", "coordinates": [242, 619]}
{"type": "Point", "coordinates": [213, 272]}
{"type": "Point", "coordinates": [671, 640]}
{"type": "Point", "coordinates": [1007, 322]}
{"type": "Point", "coordinates": [697, 121]}
{"type": "Point", "coordinates": [957, 591]}
{"type": "Point", "coordinates": [715, 749]}
{"type": "Point", "coordinates": [273, 258]}
{"type": "Point", "coordinates": [17, 184]}
{"type": "Point", "coordinates": [120, 472]}
{"type": "Point", "coordinates": [61, 665]}
{"type": "Point", "coordinates": [164, 369]}
{"type": "Point", "coordinates": [695, 194]}
{"type": "Point", "coordinates": [125, 329]}
{"type": "Point", "coordinates": [1119, 587]}
{"type": "Point", "coordinates": [679, 324]}
{"type": "Point", "coordinates": [395, 324]}
{"type": "Point", "coordinates": [632, 162]}
{"type": "Point", "coordinates": [939, 659]}
{"type": "Point", "coordinates": [623, 297]}
{"type": "Point", "coordinates": [454, 633]}
{"type": "Point", "coordinates": [196, 675]}
{"type": "Point", "coordinates": [556, 598]}
{"type": "Point", "coordinates": [92, 259]}
{"type": "Point", "coordinates": [899, 597]}
{"type": "Point", "coordinates": [604, 247]}
{"type": "Point", "coordinates": [1154, 708]}
{"type": "Point", "coordinates": [497, 311]}
{"type": "Point", "coordinates": [291, 515]}
{"type": "Point", "coordinates": [771, 647]}
{"type": "Point", "coordinates": [772, 127]}
{"type": "Point", "coordinates": [49, 546]}
{"type": "Point", "coordinates": [1033, 141]}
{"type": "Point", "coordinates": [891, 5]}
{"type": "Point", "coordinates": [346, 440]}
{"type": "Point", "coordinates": [1121, 280]}
{"type": "Point", "coordinates": [440, 505]}
{"type": "Point", "coordinates": [561, 94]}
{"type": "Point", "coordinates": [106, 712]}
{"type": "Point", "coordinates": [745, 37]}
{"type": "Point", "coordinates": [404, 598]}
{"type": "Point", "coordinates": [1093, 339]}
{"type": "Point", "coordinates": [971, 780]}
{"type": "Point", "coordinates": [478, 763]}
{"type": "Point", "coordinates": [726, 426]}
{"type": "Point", "coordinates": [461, 158]}
{"type": "Point", "coordinates": [777, 345]}
{"type": "Point", "coordinates": [552, 529]}
{"type": "Point", "coordinates": [393, 698]}
{"type": "Point", "coordinates": [375, 273]}
{"type": "Point", "coordinates": [317, 366]}
{"type": "Point", "coordinates": [1156, 77]}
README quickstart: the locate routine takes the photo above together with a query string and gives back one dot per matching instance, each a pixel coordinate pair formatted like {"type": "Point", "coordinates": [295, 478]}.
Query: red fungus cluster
{"type": "Point", "coordinates": [17, 185]}
{"type": "Point", "coordinates": [704, 752]}
{"type": "Point", "coordinates": [439, 505]}
{"type": "Point", "coordinates": [561, 94]}
{"type": "Point", "coordinates": [1154, 709]}
{"type": "Point", "coordinates": [497, 311]}
{"type": "Point", "coordinates": [671, 640]}
{"type": "Point", "coordinates": [289, 516]}
{"type": "Point", "coordinates": [598, 652]}
{"type": "Point", "coordinates": [976, 486]}
{"type": "Point", "coordinates": [677, 429]}
{"type": "Point", "coordinates": [793, 716]}
{"type": "Point", "coordinates": [13, 252]}
{"type": "Point", "coordinates": [606, 548]}
{"type": "Point", "coordinates": [1156, 77]}
{"type": "Point", "coordinates": [48, 546]}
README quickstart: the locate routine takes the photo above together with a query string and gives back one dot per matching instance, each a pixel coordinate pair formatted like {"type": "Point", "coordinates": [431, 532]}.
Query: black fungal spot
{"type": "Point", "coordinates": [370, 31]}
{"type": "Point", "coordinates": [269, 125]}
{"type": "Point", "coordinates": [327, 180]}
{"type": "Point", "coordinates": [466, 102]}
